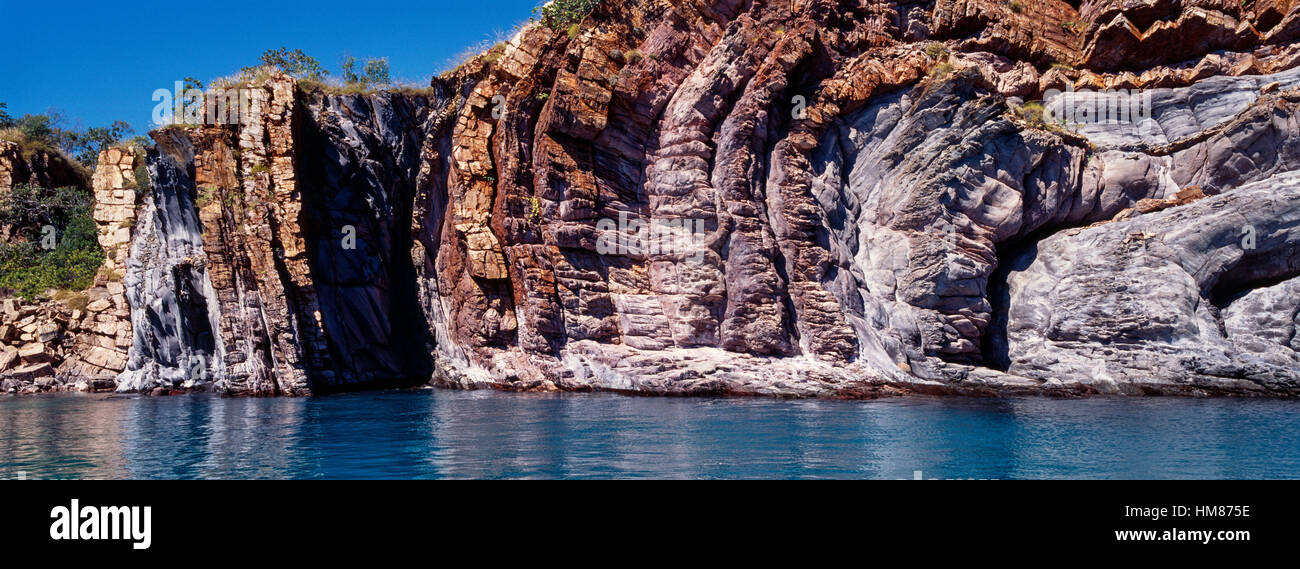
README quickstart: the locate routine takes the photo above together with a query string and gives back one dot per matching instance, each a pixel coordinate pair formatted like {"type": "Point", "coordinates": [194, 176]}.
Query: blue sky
{"type": "Point", "coordinates": [101, 61]}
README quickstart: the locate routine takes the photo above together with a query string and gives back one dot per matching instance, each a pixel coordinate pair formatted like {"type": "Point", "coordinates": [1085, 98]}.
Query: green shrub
{"type": "Point", "coordinates": [1031, 113]}
{"type": "Point", "coordinates": [534, 209]}
{"type": "Point", "coordinates": [936, 50]}
{"type": "Point", "coordinates": [29, 208]}
{"type": "Point", "coordinates": [38, 128]}
{"type": "Point", "coordinates": [29, 269]}
{"type": "Point", "coordinates": [495, 53]}
{"type": "Point", "coordinates": [207, 196]}
{"type": "Point", "coordinates": [89, 143]}
{"type": "Point", "coordinates": [142, 184]}
{"type": "Point", "coordinates": [561, 14]}
{"type": "Point", "coordinates": [1035, 115]}
{"type": "Point", "coordinates": [941, 71]}
{"type": "Point", "coordinates": [234, 200]}
{"type": "Point", "coordinates": [44, 133]}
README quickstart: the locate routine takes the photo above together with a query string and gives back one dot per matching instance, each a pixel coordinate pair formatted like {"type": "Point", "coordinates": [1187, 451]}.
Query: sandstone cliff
{"type": "Point", "coordinates": [807, 198]}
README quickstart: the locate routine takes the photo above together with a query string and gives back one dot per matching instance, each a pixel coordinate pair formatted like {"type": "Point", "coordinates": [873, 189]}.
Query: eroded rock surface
{"type": "Point", "coordinates": [37, 168]}
{"type": "Point", "coordinates": [1155, 303]}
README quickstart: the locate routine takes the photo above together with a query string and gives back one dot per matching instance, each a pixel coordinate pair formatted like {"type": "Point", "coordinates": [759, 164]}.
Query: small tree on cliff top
{"type": "Point", "coordinates": [88, 144]}
{"type": "Point", "coordinates": [294, 63]}
{"type": "Point", "coordinates": [374, 73]}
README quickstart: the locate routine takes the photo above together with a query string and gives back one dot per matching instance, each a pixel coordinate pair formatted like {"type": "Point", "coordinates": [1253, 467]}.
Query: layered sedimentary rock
{"type": "Point", "coordinates": [807, 199]}
{"type": "Point", "coordinates": [273, 256]}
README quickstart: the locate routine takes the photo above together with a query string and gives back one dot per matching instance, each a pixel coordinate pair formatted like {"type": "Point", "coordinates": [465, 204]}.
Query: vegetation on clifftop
{"type": "Point", "coordinates": [47, 133]}
{"type": "Point", "coordinates": [557, 15]}
{"type": "Point", "coordinates": [355, 75]}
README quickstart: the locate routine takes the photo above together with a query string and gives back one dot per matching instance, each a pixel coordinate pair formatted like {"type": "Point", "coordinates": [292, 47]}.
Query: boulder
{"type": "Point", "coordinates": [35, 352]}
{"type": "Point", "coordinates": [105, 358]}
{"type": "Point", "coordinates": [8, 358]}
{"type": "Point", "coordinates": [31, 372]}
{"type": "Point", "coordinates": [48, 332]}
{"type": "Point", "coordinates": [99, 305]}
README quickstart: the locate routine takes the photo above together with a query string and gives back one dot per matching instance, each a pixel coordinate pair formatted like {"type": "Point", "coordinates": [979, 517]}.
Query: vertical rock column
{"type": "Point", "coordinates": [471, 260]}
{"type": "Point", "coordinates": [102, 330]}
{"type": "Point", "coordinates": [250, 306]}
{"type": "Point", "coordinates": [277, 250]}
{"type": "Point", "coordinates": [115, 202]}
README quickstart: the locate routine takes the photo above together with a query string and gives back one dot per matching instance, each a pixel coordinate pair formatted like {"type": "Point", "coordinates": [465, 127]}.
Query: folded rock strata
{"type": "Point", "coordinates": [856, 198]}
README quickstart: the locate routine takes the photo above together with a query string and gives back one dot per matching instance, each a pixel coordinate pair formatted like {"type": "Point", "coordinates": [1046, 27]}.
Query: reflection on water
{"type": "Point", "coordinates": [441, 434]}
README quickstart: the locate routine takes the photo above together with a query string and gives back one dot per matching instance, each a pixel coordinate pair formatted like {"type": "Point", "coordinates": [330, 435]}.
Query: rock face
{"type": "Point", "coordinates": [36, 168]}
{"type": "Point", "coordinates": [800, 199]}
{"type": "Point", "coordinates": [274, 257]}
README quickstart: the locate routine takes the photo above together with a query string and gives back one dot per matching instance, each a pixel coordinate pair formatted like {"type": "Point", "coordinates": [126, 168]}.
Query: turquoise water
{"type": "Point", "coordinates": [487, 434]}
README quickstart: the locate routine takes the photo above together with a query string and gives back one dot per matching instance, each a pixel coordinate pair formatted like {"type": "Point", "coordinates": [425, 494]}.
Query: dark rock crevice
{"type": "Point", "coordinates": [1014, 255]}
{"type": "Point", "coordinates": [357, 165]}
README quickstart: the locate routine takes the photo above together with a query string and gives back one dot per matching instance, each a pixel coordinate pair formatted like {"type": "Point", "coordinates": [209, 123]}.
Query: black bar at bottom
{"type": "Point", "coordinates": [239, 520]}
